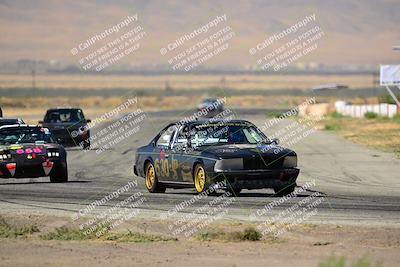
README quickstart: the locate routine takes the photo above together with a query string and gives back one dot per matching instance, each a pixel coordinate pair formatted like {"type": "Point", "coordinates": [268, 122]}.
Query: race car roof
{"type": "Point", "coordinates": [10, 119]}
{"type": "Point", "coordinates": [63, 108]}
{"type": "Point", "coordinates": [214, 121]}
{"type": "Point", "coordinates": [19, 125]}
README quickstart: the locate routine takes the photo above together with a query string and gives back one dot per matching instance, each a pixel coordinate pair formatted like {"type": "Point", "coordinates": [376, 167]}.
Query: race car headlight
{"type": "Point", "coordinates": [290, 162]}
{"type": "Point", "coordinates": [53, 154]}
{"type": "Point", "coordinates": [228, 164]}
{"type": "Point", "coordinates": [5, 156]}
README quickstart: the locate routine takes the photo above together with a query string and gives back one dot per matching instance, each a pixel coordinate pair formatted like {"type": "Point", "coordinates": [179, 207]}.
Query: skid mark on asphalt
{"type": "Point", "coordinates": [351, 176]}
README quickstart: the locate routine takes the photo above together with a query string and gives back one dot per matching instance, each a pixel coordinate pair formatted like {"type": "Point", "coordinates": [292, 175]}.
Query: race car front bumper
{"type": "Point", "coordinates": [257, 179]}
{"type": "Point", "coordinates": [80, 140]}
{"type": "Point", "coordinates": [33, 169]}
{"type": "Point", "coordinates": [69, 139]}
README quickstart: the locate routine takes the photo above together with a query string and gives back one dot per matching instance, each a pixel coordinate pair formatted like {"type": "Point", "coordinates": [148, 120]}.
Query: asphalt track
{"type": "Point", "coordinates": [356, 185]}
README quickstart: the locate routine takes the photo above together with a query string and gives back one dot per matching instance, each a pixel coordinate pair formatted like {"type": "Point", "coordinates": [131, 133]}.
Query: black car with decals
{"type": "Point", "coordinates": [202, 154]}
{"type": "Point", "coordinates": [28, 151]}
{"type": "Point", "coordinates": [68, 125]}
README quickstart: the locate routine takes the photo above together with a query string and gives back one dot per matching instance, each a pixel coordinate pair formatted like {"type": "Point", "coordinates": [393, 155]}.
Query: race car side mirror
{"type": "Point", "coordinates": [88, 120]}
{"type": "Point", "coordinates": [276, 141]}
{"type": "Point", "coordinates": [40, 122]}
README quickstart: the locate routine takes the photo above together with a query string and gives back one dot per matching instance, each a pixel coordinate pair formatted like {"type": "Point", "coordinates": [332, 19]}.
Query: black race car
{"type": "Point", "coordinates": [28, 151]}
{"type": "Point", "coordinates": [69, 126]}
{"type": "Point", "coordinates": [211, 107]}
{"type": "Point", "coordinates": [201, 154]}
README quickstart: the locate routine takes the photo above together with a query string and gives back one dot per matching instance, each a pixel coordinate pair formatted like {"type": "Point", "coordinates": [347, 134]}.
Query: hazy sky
{"type": "Point", "coordinates": [355, 32]}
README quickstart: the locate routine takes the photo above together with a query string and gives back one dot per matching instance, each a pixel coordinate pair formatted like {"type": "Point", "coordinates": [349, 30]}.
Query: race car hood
{"type": "Point", "coordinates": [19, 149]}
{"type": "Point", "coordinates": [247, 150]}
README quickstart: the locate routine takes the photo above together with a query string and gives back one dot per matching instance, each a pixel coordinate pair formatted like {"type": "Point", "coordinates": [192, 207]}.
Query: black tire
{"type": "Point", "coordinates": [152, 184]}
{"type": "Point", "coordinates": [60, 174]}
{"type": "Point", "coordinates": [283, 191]}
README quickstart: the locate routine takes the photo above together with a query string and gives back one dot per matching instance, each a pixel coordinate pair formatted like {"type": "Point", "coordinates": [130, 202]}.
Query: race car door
{"type": "Point", "coordinates": [163, 156]}
{"type": "Point", "coordinates": [183, 156]}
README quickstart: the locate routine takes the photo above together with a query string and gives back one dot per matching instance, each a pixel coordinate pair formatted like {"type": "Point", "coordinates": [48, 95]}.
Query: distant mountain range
{"type": "Point", "coordinates": [357, 32]}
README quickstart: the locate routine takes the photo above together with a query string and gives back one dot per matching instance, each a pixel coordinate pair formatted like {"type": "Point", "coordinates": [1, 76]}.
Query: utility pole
{"type": "Point", "coordinates": [375, 82]}
{"type": "Point", "coordinates": [33, 78]}
{"type": "Point", "coordinates": [223, 82]}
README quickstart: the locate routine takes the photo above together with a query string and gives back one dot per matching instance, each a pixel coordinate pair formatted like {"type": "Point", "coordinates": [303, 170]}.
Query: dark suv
{"type": "Point", "coordinates": [69, 126]}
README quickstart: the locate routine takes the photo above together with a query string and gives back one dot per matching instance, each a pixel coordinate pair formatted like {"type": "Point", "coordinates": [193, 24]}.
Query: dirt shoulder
{"type": "Point", "coordinates": [305, 245]}
{"type": "Point", "coordinates": [377, 133]}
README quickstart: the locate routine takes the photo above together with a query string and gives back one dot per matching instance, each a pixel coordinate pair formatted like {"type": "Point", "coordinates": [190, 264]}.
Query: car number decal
{"type": "Point", "coordinates": [28, 151]}
{"type": "Point", "coordinates": [165, 168]}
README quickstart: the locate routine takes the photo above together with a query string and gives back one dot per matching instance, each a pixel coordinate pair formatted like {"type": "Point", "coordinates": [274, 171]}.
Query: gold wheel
{"type": "Point", "coordinates": [200, 179]}
{"type": "Point", "coordinates": [150, 176]}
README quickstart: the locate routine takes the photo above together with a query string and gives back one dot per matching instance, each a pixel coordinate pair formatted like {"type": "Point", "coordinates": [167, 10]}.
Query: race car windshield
{"type": "Point", "coordinates": [25, 135]}
{"type": "Point", "coordinates": [63, 116]}
{"type": "Point", "coordinates": [227, 134]}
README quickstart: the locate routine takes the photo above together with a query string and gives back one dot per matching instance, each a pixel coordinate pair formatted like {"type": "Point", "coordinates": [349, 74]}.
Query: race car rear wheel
{"type": "Point", "coordinates": [283, 191]}
{"type": "Point", "coordinates": [200, 178]}
{"type": "Point", "coordinates": [60, 174]}
{"type": "Point", "coordinates": [151, 181]}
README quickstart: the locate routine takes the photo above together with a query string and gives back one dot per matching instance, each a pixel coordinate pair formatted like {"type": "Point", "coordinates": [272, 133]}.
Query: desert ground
{"type": "Point", "coordinates": [350, 166]}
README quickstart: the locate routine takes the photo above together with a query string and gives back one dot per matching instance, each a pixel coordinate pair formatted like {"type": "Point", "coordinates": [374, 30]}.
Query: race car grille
{"type": "Point", "coordinates": [30, 171]}
{"type": "Point", "coordinates": [259, 163]}
{"type": "Point", "coordinates": [60, 132]}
